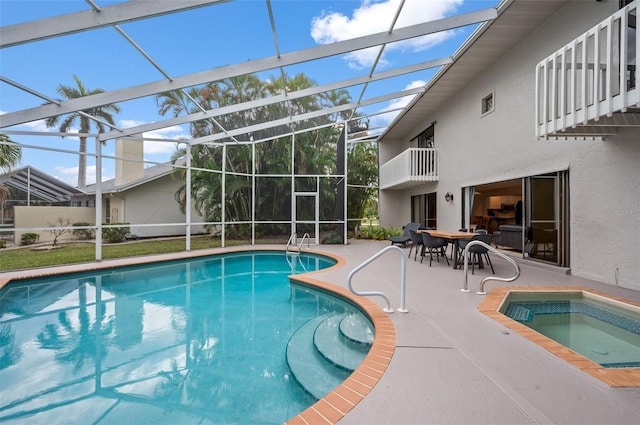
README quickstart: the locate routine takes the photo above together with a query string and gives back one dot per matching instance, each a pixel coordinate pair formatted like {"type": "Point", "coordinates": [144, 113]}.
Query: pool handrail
{"type": "Point", "coordinates": [307, 237]}
{"type": "Point", "coordinates": [481, 290]}
{"type": "Point", "coordinates": [294, 239]}
{"type": "Point", "coordinates": [403, 274]}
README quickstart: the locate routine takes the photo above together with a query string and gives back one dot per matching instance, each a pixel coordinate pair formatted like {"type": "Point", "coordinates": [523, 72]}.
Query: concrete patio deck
{"type": "Point", "coordinates": [453, 364]}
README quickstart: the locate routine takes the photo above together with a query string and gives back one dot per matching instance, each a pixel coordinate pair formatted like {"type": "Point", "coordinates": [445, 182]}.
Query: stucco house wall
{"type": "Point", "coordinates": [39, 216]}
{"type": "Point", "coordinates": [151, 204]}
{"type": "Point", "coordinates": [604, 174]}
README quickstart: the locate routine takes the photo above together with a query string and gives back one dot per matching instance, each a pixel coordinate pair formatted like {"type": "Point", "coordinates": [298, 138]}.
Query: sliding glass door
{"type": "Point", "coordinates": [423, 210]}
{"type": "Point", "coordinates": [546, 218]}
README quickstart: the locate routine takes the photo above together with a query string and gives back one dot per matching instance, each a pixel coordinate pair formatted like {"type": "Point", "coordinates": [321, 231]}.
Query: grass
{"type": "Point", "coordinates": [82, 252]}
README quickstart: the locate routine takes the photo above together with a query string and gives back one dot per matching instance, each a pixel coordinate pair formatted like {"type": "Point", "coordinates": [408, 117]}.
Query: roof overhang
{"type": "Point", "coordinates": [491, 40]}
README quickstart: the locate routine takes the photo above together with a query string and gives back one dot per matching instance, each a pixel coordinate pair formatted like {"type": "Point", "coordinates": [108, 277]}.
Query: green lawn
{"type": "Point", "coordinates": [73, 253]}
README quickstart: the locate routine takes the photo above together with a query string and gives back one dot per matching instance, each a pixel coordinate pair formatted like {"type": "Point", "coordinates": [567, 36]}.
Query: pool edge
{"type": "Point", "coordinates": [341, 400]}
{"type": "Point", "coordinates": [490, 306]}
{"type": "Point", "coordinates": [337, 403]}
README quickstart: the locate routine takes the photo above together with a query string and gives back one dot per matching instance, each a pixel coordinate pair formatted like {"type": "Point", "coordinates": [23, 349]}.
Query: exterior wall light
{"type": "Point", "coordinates": [448, 196]}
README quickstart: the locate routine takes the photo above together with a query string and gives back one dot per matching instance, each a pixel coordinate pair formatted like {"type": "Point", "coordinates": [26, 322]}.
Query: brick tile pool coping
{"type": "Point", "coordinates": [337, 403]}
{"type": "Point", "coordinates": [490, 306]}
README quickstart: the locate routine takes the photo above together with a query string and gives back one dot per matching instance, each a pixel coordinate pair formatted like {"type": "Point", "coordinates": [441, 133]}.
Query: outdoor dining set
{"type": "Point", "coordinates": [435, 242]}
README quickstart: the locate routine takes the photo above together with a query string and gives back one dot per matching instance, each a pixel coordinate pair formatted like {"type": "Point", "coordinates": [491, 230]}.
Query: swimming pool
{"type": "Point", "coordinates": [198, 341]}
{"type": "Point", "coordinates": [605, 332]}
{"type": "Point", "coordinates": [596, 332]}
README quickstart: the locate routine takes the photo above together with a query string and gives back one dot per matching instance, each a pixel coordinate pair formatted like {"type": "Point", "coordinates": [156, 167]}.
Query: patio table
{"type": "Point", "coordinates": [455, 236]}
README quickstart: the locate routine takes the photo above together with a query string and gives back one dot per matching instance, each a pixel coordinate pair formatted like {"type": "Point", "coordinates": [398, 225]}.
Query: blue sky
{"type": "Point", "coordinates": [201, 39]}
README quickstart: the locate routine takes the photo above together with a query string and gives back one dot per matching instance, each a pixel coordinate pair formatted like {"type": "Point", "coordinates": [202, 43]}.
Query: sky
{"type": "Point", "coordinates": [193, 41]}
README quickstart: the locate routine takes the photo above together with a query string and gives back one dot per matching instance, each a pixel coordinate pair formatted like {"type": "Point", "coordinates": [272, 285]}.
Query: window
{"type": "Point", "coordinates": [107, 210]}
{"type": "Point", "coordinates": [426, 139]}
{"type": "Point", "coordinates": [623, 3]}
{"type": "Point", "coordinates": [423, 210]}
{"type": "Point", "coordinates": [487, 104]}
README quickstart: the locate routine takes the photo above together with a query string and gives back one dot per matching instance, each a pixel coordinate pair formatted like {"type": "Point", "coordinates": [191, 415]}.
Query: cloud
{"type": "Point", "coordinates": [69, 175]}
{"type": "Point", "coordinates": [374, 17]}
{"type": "Point", "coordinates": [394, 106]}
{"type": "Point", "coordinates": [38, 125]}
{"type": "Point", "coordinates": [159, 148]}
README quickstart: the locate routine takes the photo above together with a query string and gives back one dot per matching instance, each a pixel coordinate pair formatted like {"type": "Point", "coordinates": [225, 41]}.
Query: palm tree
{"type": "Point", "coordinates": [10, 154]}
{"type": "Point", "coordinates": [315, 151]}
{"type": "Point", "coordinates": [104, 112]}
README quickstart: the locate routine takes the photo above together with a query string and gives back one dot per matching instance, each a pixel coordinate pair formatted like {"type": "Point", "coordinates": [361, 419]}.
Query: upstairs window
{"type": "Point", "coordinates": [487, 104]}
{"type": "Point", "coordinates": [426, 139]}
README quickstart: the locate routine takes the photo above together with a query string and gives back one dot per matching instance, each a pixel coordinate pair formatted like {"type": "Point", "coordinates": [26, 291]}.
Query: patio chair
{"type": "Point", "coordinates": [434, 245]}
{"type": "Point", "coordinates": [416, 241]}
{"type": "Point", "coordinates": [477, 252]}
{"type": "Point", "coordinates": [406, 236]}
{"type": "Point", "coordinates": [453, 243]}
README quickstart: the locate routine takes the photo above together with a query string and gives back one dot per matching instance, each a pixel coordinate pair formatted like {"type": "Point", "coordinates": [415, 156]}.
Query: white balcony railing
{"type": "Point", "coordinates": [590, 78]}
{"type": "Point", "coordinates": [410, 168]}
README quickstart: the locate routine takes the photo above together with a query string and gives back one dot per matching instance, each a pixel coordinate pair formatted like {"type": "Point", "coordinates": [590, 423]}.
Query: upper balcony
{"type": "Point", "coordinates": [412, 167]}
{"type": "Point", "coordinates": [590, 86]}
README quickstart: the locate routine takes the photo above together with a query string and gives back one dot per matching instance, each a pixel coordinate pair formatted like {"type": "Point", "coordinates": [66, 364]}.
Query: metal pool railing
{"type": "Point", "coordinates": [403, 280]}
{"type": "Point", "coordinates": [293, 239]}
{"type": "Point", "coordinates": [481, 291]}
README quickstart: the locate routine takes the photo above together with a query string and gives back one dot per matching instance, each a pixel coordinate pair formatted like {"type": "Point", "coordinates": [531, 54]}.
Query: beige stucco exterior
{"type": "Point", "coordinates": [34, 217]}
{"type": "Point", "coordinates": [604, 173]}
{"type": "Point", "coordinates": [151, 209]}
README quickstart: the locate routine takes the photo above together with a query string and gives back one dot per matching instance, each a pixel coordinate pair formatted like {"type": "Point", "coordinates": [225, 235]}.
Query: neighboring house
{"type": "Point", "coordinates": [539, 106]}
{"type": "Point", "coordinates": [143, 197]}
{"type": "Point", "coordinates": [29, 186]}
{"type": "Point", "coordinates": [30, 192]}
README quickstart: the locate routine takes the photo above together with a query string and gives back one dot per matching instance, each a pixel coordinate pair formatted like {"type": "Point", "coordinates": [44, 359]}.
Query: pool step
{"type": "Point", "coordinates": [356, 328]}
{"type": "Point", "coordinates": [320, 356]}
{"type": "Point", "coordinates": [332, 344]}
{"type": "Point", "coordinates": [309, 368]}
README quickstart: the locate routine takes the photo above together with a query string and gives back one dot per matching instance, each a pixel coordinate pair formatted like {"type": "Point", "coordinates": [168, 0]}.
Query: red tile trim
{"type": "Point", "coordinates": [627, 377]}
{"type": "Point", "coordinates": [342, 399]}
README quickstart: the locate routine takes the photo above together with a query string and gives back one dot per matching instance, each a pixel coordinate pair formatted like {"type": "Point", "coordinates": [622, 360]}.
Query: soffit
{"type": "Point", "coordinates": [516, 20]}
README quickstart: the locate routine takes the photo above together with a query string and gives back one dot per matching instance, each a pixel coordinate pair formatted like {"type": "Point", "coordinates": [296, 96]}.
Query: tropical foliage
{"type": "Point", "coordinates": [311, 155]}
{"type": "Point", "coordinates": [104, 113]}
{"type": "Point", "coordinates": [10, 154]}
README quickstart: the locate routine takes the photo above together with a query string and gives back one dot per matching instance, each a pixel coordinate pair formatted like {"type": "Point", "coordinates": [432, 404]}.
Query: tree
{"type": "Point", "coordinates": [362, 176]}
{"type": "Point", "coordinates": [59, 228]}
{"type": "Point", "coordinates": [10, 154]}
{"type": "Point", "coordinates": [314, 152]}
{"type": "Point", "coordinates": [104, 112]}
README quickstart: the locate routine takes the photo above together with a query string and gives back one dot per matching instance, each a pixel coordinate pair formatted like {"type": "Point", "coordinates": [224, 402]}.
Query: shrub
{"type": "Point", "coordinates": [376, 232]}
{"type": "Point", "coordinates": [83, 234]}
{"type": "Point", "coordinates": [115, 234]}
{"type": "Point", "coordinates": [29, 238]}
{"type": "Point", "coordinates": [332, 239]}
{"type": "Point", "coordinates": [59, 228]}
{"type": "Point", "coordinates": [3, 243]}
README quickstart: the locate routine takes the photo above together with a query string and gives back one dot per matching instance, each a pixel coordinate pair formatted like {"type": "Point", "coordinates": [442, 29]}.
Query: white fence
{"type": "Point", "coordinates": [411, 167]}
{"type": "Point", "coordinates": [591, 77]}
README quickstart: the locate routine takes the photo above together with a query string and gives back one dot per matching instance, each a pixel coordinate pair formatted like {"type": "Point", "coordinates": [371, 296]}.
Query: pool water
{"type": "Point", "coordinates": [605, 333]}
{"type": "Point", "coordinates": [185, 342]}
